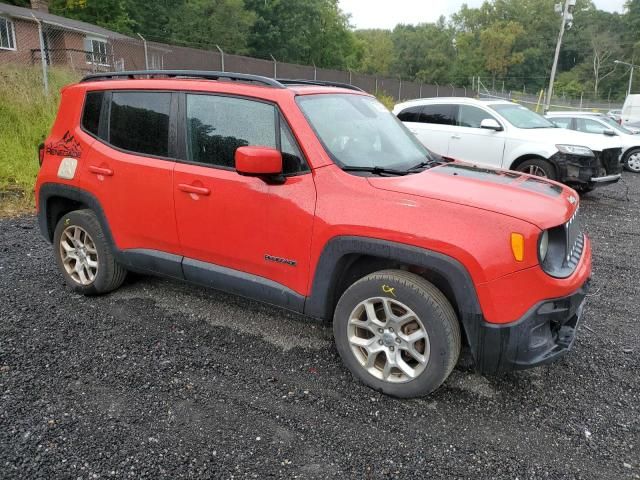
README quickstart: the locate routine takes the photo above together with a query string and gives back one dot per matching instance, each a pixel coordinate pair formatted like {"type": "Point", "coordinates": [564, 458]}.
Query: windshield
{"type": "Point", "coordinates": [359, 131]}
{"type": "Point", "coordinates": [521, 117]}
{"type": "Point", "coordinates": [615, 125]}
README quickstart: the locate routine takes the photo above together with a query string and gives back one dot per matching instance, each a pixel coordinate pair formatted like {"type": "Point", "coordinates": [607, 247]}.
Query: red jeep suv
{"type": "Point", "coordinates": [313, 197]}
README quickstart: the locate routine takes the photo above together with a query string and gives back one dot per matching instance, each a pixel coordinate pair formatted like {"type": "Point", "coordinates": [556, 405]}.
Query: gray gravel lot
{"type": "Point", "coordinates": [165, 380]}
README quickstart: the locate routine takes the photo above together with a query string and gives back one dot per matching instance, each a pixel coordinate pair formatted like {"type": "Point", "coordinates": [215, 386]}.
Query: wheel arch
{"type": "Point", "coordinates": [56, 200]}
{"type": "Point", "coordinates": [347, 259]}
{"type": "Point", "coordinates": [529, 156]}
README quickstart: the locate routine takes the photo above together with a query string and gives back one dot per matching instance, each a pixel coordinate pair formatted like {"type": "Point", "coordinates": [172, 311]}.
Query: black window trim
{"type": "Point", "coordinates": [105, 120]}
{"type": "Point", "coordinates": [181, 150]}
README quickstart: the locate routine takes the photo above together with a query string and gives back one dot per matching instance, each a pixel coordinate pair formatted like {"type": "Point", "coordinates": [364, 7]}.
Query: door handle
{"type": "Point", "coordinates": [184, 187]}
{"type": "Point", "coordinates": [457, 137]}
{"type": "Point", "coordinates": [107, 172]}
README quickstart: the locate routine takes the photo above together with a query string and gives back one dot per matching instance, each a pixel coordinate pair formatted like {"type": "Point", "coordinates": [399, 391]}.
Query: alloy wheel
{"type": "Point", "coordinates": [633, 162]}
{"type": "Point", "coordinates": [79, 255]}
{"type": "Point", "coordinates": [535, 170]}
{"type": "Point", "coordinates": [388, 339]}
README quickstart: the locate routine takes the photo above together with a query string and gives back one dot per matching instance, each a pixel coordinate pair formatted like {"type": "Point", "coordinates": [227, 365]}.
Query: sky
{"type": "Point", "coordinates": [388, 13]}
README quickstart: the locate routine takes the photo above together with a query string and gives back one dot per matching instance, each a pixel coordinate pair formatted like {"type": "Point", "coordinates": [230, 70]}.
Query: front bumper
{"type": "Point", "coordinates": [602, 169]}
{"type": "Point", "coordinates": [546, 332]}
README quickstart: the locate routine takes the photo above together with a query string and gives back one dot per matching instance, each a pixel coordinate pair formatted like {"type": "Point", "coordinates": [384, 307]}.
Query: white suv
{"type": "Point", "coordinates": [600, 124]}
{"type": "Point", "coordinates": [503, 134]}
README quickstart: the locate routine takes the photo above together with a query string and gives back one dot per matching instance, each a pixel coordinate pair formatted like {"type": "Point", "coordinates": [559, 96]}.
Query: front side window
{"type": "Point", "coordinates": [590, 126]}
{"type": "Point", "coordinates": [613, 125]}
{"type": "Point", "coordinates": [439, 114]}
{"type": "Point", "coordinates": [7, 34]}
{"type": "Point", "coordinates": [562, 122]}
{"type": "Point", "coordinates": [521, 117]}
{"type": "Point", "coordinates": [139, 122]}
{"type": "Point", "coordinates": [218, 126]}
{"type": "Point", "coordinates": [469, 116]}
{"type": "Point", "coordinates": [358, 131]}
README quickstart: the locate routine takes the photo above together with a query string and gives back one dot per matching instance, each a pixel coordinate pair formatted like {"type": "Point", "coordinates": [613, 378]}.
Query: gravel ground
{"type": "Point", "coordinates": [165, 380]}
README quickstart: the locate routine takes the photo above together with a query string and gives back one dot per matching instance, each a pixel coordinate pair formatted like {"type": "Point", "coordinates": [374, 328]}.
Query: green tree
{"type": "Point", "coordinates": [207, 23]}
{"type": "Point", "coordinates": [110, 14]}
{"type": "Point", "coordinates": [377, 51]}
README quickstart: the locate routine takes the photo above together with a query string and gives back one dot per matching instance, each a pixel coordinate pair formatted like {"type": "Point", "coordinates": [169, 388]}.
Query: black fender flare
{"type": "Point", "coordinates": [50, 190]}
{"type": "Point", "coordinates": [319, 303]}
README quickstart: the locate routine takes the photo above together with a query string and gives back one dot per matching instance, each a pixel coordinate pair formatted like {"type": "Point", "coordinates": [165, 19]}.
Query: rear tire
{"type": "Point", "coordinates": [84, 256]}
{"type": "Point", "coordinates": [632, 160]}
{"type": "Point", "coordinates": [538, 167]}
{"type": "Point", "coordinates": [397, 333]}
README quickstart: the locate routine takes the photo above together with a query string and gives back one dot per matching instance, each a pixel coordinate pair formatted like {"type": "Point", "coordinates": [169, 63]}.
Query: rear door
{"type": "Point", "coordinates": [473, 144]}
{"type": "Point", "coordinates": [433, 125]}
{"type": "Point", "coordinates": [130, 166]}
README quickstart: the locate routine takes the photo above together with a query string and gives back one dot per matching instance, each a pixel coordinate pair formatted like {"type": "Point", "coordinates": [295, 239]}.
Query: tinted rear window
{"type": "Point", "coordinates": [411, 114]}
{"type": "Point", "coordinates": [440, 114]}
{"type": "Point", "coordinates": [139, 122]}
{"type": "Point", "coordinates": [91, 113]}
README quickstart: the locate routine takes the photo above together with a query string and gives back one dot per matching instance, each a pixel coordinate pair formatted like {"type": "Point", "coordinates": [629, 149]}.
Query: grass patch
{"type": "Point", "coordinates": [26, 116]}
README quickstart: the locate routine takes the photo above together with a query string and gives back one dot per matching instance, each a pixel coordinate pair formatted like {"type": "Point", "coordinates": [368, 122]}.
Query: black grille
{"type": "Point", "coordinates": [611, 160]}
{"type": "Point", "coordinates": [575, 240]}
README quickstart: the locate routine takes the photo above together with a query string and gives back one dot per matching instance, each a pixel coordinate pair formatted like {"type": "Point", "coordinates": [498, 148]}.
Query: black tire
{"type": "Point", "coordinates": [536, 164]}
{"type": "Point", "coordinates": [434, 312]}
{"type": "Point", "coordinates": [631, 153]}
{"type": "Point", "coordinates": [110, 274]}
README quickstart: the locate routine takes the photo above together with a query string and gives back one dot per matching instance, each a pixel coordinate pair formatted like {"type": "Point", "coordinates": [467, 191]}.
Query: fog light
{"type": "Point", "coordinates": [517, 246]}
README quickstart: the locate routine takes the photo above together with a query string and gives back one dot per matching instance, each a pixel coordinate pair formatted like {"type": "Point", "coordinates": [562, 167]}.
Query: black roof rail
{"type": "Point", "coordinates": [204, 74]}
{"type": "Point", "coordinates": [322, 83]}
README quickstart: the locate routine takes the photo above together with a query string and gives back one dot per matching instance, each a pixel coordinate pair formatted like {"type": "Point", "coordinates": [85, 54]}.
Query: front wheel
{"type": "Point", "coordinates": [538, 167]}
{"type": "Point", "coordinates": [397, 333]}
{"type": "Point", "coordinates": [632, 160]}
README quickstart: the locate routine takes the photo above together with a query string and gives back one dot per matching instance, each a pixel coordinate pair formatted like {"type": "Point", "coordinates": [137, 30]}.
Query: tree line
{"type": "Point", "coordinates": [507, 43]}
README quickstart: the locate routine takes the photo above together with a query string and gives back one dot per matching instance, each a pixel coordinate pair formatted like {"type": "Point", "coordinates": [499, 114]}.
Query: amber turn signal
{"type": "Point", "coordinates": [517, 246]}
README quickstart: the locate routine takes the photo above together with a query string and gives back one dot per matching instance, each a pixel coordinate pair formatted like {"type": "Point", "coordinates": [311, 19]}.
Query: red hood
{"type": "Point", "coordinates": [538, 201]}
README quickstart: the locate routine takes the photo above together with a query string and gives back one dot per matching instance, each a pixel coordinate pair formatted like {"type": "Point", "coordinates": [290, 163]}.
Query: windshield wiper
{"type": "Point", "coordinates": [375, 170]}
{"type": "Point", "coordinates": [426, 164]}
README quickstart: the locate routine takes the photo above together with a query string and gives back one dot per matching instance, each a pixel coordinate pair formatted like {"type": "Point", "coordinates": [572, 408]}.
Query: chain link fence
{"type": "Point", "coordinates": [45, 46]}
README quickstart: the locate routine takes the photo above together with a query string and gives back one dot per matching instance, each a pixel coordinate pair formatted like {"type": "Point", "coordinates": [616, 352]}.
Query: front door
{"type": "Point", "coordinates": [472, 144]}
{"type": "Point", "coordinates": [232, 221]}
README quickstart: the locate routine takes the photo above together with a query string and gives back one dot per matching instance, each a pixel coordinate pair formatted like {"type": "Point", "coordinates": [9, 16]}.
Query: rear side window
{"type": "Point", "coordinates": [91, 112]}
{"type": "Point", "coordinates": [439, 114]}
{"type": "Point", "coordinates": [139, 122]}
{"type": "Point", "coordinates": [411, 114]}
{"type": "Point", "coordinates": [589, 126]}
{"type": "Point", "coordinates": [218, 126]}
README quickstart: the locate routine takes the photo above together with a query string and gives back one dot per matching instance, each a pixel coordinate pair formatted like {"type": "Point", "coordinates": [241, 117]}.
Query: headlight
{"type": "Point", "coordinates": [543, 245]}
{"type": "Point", "coordinates": [575, 150]}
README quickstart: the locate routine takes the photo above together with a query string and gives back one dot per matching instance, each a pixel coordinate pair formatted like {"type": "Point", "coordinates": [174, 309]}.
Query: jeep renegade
{"type": "Point", "coordinates": [317, 199]}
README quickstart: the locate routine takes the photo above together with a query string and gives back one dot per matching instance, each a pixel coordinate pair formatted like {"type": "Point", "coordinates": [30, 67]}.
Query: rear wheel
{"type": "Point", "coordinates": [397, 333]}
{"type": "Point", "coordinates": [632, 160]}
{"type": "Point", "coordinates": [538, 167]}
{"type": "Point", "coordinates": [84, 256]}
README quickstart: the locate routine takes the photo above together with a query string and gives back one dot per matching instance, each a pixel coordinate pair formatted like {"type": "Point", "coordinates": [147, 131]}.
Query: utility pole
{"type": "Point", "coordinates": [631, 67]}
{"type": "Point", "coordinates": [567, 18]}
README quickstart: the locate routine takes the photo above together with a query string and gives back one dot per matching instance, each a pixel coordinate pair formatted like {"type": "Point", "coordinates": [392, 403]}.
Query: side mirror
{"type": "Point", "coordinates": [263, 162]}
{"type": "Point", "coordinates": [491, 124]}
{"type": "Point", "coordinates": [609, 133]}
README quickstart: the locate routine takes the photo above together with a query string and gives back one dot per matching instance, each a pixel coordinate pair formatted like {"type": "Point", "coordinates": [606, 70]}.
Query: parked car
{"type": "Point", "coordinates": [600, 125]}
{"type": "Point", "coordinates": [615, 114]}
{"type": "Point", "coordinates": [502, 134]}
{"type": "Point", "coordinates": [315, 199]}
{"type": "Point", "coordinates": [631, 110]}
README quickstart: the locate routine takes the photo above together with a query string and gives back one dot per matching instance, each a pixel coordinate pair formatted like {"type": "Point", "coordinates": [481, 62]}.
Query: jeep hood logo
{"type": "Point", "coordinates": [572, 200]}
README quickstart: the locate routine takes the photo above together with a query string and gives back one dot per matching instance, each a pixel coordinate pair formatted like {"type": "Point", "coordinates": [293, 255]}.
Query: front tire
{"type": "Point", "coordinates": [538, 167]}
{"type": "Point", "coordinates": [397, 333]}
{"type": "Point", "coordinates": [632, 160]}
{"type": "Point", "coordinates": [83, 255]}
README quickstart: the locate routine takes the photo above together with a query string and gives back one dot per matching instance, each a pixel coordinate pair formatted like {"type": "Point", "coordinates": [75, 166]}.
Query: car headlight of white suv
{"type": "Point", "coordinates": [575, 150]}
